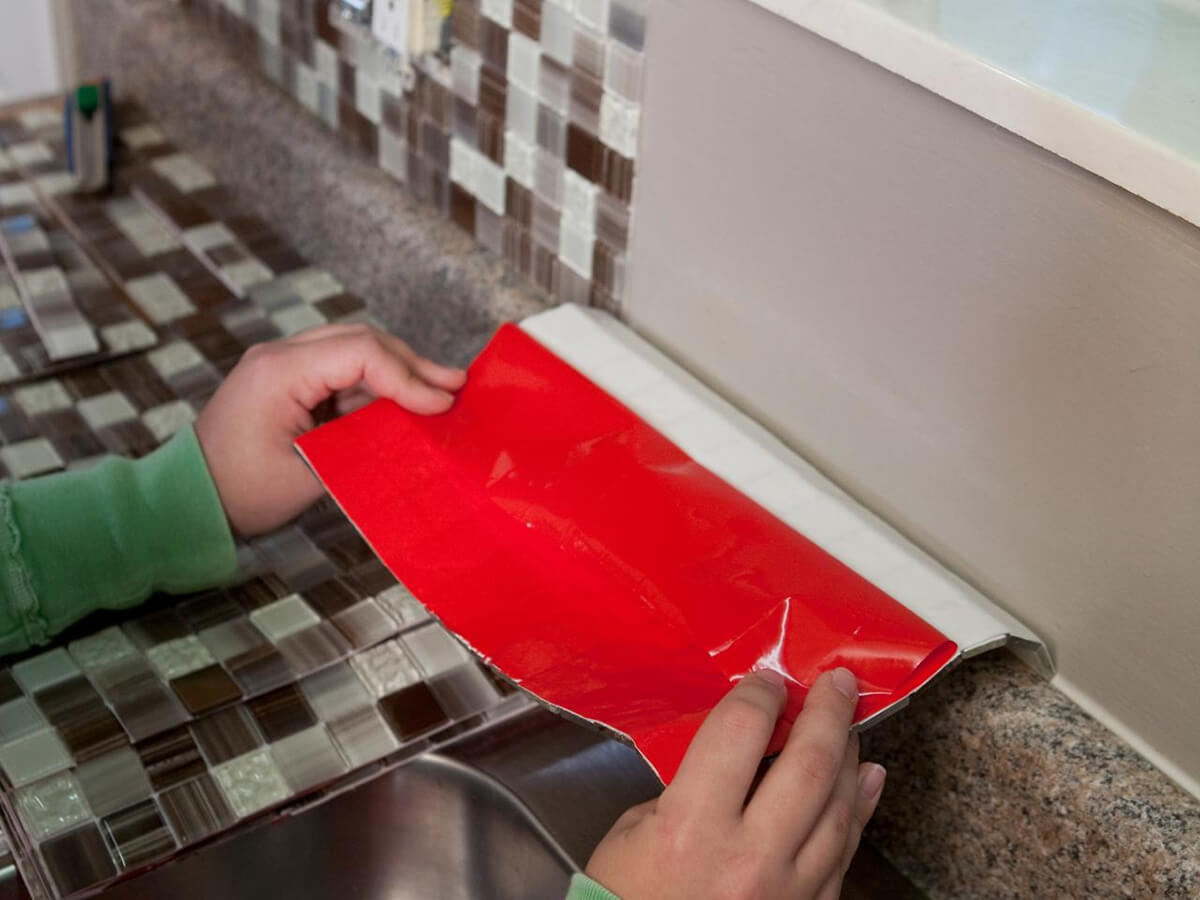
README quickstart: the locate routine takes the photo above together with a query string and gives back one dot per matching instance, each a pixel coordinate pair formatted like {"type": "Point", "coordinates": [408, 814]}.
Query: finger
{"type": "Point", "coordinates": [799, 784]}
{"type": "Point", "coordinates": [721, 762]}
{"type": "Point", "coordinates": [331, 329]}
{"type": "Point", "coordinates": [447, 378]}
{"type": "Point", "coordinates": [869, 783]}
{"type": "Point", "coordinates": [869, 786]}
{"type": "Point", "coordinates": [324, 367]}
{"type": "Point", "coordinates": [821, 855]}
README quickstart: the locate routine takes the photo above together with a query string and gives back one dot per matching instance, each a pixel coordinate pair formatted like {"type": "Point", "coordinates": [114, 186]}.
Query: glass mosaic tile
{"type": "Point", "coordinates": [308, 758]}
{"type": "Point", "coordinates": [226, 734]}
{"type": "Point", "coordinates": [188, 716]}
{"type": "Point", "coordinates": [196, 809]}
{"type": "Point", "coordinates": [137, 835]}
{"type": "Point", "coordinates": [113, 781]}
{"type": "Point", "coordinates": [52, 805]}
{"type": "Point", "coordinates": [77, 860]}
{"type": "Point", "coordinates": [251, 783]}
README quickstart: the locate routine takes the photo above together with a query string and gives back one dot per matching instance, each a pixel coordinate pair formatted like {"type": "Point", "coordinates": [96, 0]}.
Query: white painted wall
{"type": "Point", "coordinates": [993, 349]}
{"type": "Point", "coordinates": [29, 63]}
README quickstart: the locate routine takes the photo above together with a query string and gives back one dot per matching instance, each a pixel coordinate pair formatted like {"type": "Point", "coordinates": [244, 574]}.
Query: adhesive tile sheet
{"type": "Point", "coordinates": [637, 580]}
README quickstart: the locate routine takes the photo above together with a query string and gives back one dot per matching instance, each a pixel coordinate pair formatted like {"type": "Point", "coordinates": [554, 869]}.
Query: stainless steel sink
{"type": "Point", "coordinates": [510, 812]}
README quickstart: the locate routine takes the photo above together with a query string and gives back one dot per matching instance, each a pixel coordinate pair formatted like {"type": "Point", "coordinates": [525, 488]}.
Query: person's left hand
{"type": "Point", "coordinates": [247, 429]}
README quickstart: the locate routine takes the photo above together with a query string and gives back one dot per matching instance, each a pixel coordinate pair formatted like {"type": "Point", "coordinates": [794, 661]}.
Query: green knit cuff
{"type": "Point", "coordinates": [583, 888]}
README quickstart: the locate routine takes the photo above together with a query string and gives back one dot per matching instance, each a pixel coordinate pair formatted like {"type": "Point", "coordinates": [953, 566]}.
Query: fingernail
{"type": "Point", "coordinates": [770, 676]}
{"type": "Point", "coordinates": [870, 780]}
{"type": "Point", "coordinates": [844, 681]}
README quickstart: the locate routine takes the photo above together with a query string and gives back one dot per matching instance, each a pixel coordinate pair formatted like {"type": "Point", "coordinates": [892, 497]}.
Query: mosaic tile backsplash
{"type": "Point", "coordinates": [524, 133]}
{"type": "Point", "coordinates": [143, 735]}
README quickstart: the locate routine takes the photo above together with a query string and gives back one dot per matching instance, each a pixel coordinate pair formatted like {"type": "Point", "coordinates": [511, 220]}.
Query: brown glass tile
{"type": "Point", "coordinates": [281, 713]}
{"type": "Point", "coordinates": [335, 308]}
{"type": "Point", "coordinates": [260, 669]}
{"type": "Point", "coordinates": [226, 734]}
{"type": "Point", "coordinates": [465, 23]}
{"type": "Point", "coordinates": [259, 591]}
{"type": "Point", "coordinates": [518, 204]}
{"type": "Point", "coordinates": [206, 689]}
{"type": "Point", "coordinates": [545, 267]}
{"type": "Point", "coordinates": [464, 125]}
{"type": "Point", "coordinates": [612, 221]}
{"type": "Point", "coordinates": [493, 89]}
{"type": "Point", "coordinates": [83, 720]}
{"type": "Point", "coordinates": [196, 809]}
{"type": "Point", "coordinates": [493, 44]}
{"type": "Point", "coordinates": [585, 153]}
{"type": "Point", "coordinates": [85, 383]}
{"type": "Point", "coordinates": [9, 689]}
{"type": "Point", "coordinates": [331, 597]}
{"type": "Point", "coordinates": [527, 18]}
{"type": "Point", "coordinates": [372, 577]}
{"type": "Point", "coordinates": [435, 144]}
{"type": "Point", "coordinates": [617, 177]}
{"type": "Point", "coordinates": [77, 860]}
{"type": "Point", "coordinates": [313, 648]}
{"type": "Point", "coordinates": [141, 701]}
{"type": "Point", "coordinates": [413, 711]}
{"type": "Point", "coordinates": [435, 102]}
{"type": "Point", "coordinates": [138, 835]}
{"type": "Point", "coordinates": [170, 758]}
{"type": "Point", "coordinates": [490, 134]}
{"type": "Point", "coordinates": [395, 113]}
{"type": "Point", "coordinates": [209, 610]}
{"type": "Point", "coordinates": [586, 93]}
{"type": "Point", "coordinates": [364, 624]}
{"type": "Point", "coordinates": [518, 247]}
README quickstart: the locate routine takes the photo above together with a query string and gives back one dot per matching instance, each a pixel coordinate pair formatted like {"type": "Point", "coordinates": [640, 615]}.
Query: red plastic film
{"type": "Point", "coordinates": [598, 565]}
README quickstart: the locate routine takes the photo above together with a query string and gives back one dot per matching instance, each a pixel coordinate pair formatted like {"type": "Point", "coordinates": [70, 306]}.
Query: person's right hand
{"type": "Point", "coordinates": [793, 839]}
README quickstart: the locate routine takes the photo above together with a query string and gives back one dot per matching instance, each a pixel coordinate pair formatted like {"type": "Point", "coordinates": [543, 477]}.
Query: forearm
{"type": "Point", "coordinates": [106, 537]}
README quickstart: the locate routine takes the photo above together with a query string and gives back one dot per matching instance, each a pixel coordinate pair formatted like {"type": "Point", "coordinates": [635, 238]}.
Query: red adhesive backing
{"type": "Point", "coordinates": [598, 565]}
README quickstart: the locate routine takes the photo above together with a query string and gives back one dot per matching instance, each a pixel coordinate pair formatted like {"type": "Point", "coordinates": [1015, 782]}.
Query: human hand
{"type": "Point", "coordinates": [247, 429]}
{"type": "Point", "coordinates": [793, 839]}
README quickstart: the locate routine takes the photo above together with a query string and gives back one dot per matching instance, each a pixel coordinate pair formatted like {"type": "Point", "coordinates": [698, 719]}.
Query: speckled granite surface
{"type": "Point", "coordinates": [998, 786]}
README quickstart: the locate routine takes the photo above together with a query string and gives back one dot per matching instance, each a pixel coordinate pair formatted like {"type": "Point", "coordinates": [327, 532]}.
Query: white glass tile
{"type": "Point", "coordinates": [385, 669]}
{"type": "Point", "coordinates": [52, 805]}
{"type": "Point", "coordinates": [106, 409]}
{"type": "Point", "coordinates": [44, 670]}
{"type": "Point", "coordinates": [251, 783]}
{"type": "Point", "coordinates": [43, 397]}
{"type": "Point", "coordinates": [29, 758]}
{"type": "Point", "coordinates": [283, 617]}
{"type": "Point", "coordinates": [435, 650]}
{"type": "Point", "coordinates": [180, 656]}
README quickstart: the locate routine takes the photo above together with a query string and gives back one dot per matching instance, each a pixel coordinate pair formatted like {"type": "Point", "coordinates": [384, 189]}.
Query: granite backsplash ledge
{"type": "Point", "coordinates": [998, 785]}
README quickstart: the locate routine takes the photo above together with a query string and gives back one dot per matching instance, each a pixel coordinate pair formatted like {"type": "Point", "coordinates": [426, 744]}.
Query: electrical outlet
{"type": "Point", "coordinates": [390, 23]}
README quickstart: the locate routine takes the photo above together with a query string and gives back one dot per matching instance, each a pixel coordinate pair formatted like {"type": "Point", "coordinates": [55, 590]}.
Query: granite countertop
{"type": "Point", "coordinates": [999, 786]}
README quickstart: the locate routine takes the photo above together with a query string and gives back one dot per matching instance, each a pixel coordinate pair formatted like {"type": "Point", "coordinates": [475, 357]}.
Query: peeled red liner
{"type": "Point", "coordinates": [596, 564]}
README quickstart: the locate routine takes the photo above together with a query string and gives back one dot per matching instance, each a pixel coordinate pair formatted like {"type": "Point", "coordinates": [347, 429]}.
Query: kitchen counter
{"type": "Point", "coordinates": [999, 786]}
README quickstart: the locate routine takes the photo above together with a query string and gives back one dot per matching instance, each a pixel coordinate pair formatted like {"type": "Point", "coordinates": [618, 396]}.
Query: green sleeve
{"type": "Point", "coordinates": [583, 888]}
{"type": "Point", "coordinates": [106, 537]}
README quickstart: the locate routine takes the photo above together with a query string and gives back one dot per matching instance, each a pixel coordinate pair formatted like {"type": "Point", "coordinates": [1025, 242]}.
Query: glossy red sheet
{"type": "Point", "coordinates": [596, 564]}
